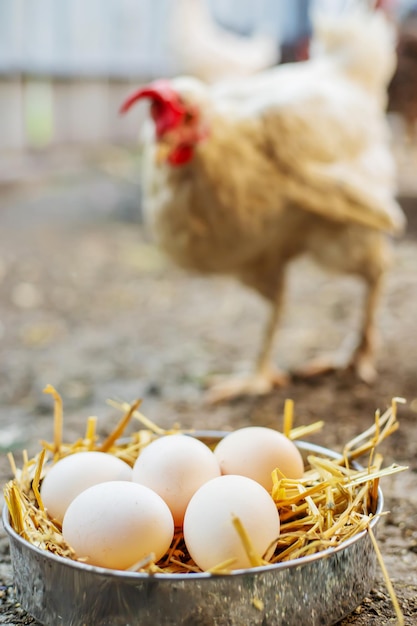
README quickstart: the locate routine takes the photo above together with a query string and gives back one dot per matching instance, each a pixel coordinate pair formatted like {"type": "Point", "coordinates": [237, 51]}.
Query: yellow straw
{"type": "Point", "coordinates": [58, 417]}
{"type": "Point", "coordinates": [288, 416]}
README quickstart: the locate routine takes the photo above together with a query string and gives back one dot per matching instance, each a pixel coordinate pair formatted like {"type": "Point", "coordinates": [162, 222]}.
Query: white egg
{"type": "Point", "coordinates": [117, 524]}
{"type": "Point", "coordinates": [175, 466]}
{"type": "Point", "coordinates": [256, 451]}
{"type": "Point", "coordinates": [75, 473]}
{"type": "Point", "coordinates": [209, 533]}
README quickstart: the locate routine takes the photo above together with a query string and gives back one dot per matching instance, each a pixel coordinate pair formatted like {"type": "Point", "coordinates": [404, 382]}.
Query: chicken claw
{"type": "Point", "coordinates": [257, 384]}
{"type": "Point", "coordinates": [360, 361]}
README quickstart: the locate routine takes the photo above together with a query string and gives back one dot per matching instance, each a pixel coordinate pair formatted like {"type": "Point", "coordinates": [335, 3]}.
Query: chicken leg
{"type": "Point", "coordinates": [265, 377]}
{"type": "Point", "coordinates": [360, 356]}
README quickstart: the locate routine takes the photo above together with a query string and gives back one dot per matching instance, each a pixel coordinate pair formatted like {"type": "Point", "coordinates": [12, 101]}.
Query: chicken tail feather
{"type": "Point", "coordinates": [361, 39]}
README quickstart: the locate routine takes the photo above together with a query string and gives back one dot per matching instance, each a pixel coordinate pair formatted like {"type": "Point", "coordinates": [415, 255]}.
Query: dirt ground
{"type": "Point", "coordinates": [89, 305]}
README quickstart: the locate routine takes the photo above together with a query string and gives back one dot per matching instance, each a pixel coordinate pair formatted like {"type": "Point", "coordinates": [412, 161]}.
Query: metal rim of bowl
{"type": "Point", "coordinates": [132, 576]}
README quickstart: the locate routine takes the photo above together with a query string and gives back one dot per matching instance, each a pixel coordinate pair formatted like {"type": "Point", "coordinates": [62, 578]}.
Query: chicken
{"type": "Point", "coordinates": [207, 51]}
{"type": "Point", "coordinates": [242, 178]}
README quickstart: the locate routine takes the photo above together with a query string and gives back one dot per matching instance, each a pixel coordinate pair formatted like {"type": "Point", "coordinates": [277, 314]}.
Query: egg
{"type": "Point", "coordinates": [256, 451]}
{"type": "Point", "coordinates": [74, 473]}
{"type": "Point", "coordinates": [209, 533]}
{"type": "Point", "coordinates": [175, 466]}
{"type": "Point", "coordinates": [116, 524]}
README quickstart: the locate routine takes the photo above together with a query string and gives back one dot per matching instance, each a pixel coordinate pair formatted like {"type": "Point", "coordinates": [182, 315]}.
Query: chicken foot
{"type": "Point", "coordinates": [353, 354]}
{"type": "Point", "coordinates": [265, 377]}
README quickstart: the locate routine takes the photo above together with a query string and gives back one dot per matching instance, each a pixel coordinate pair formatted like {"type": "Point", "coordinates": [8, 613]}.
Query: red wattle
{"type": "Point", "coordinates": [181, 155]}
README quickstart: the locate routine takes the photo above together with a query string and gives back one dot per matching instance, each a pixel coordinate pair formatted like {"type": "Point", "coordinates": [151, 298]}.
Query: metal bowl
{"type": "Point", "coordinates": [317, 589]}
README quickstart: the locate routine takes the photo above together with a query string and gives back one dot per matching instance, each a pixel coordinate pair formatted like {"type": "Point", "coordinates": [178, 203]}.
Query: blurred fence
{"type": "Point", "coordinates": [66, 65]}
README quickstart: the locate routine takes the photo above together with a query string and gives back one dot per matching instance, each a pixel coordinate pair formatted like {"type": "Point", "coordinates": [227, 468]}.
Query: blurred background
{"type": "Point", "coordinates": [67, 157]}
{"type": "Point", "coordinates": [72, 267]}
{"type": "Point", "coordinates": [66, 65]}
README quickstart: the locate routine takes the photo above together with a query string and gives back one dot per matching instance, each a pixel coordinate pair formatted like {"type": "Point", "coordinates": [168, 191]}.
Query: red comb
{"type": "Point", "coordinates": [167, 109]}
{"type": "Point", "coordinates": [159, 90]}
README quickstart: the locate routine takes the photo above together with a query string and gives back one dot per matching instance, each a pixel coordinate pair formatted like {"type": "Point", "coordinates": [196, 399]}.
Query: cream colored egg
{"type": "Point", "coordinates": [209, 533]}
{"type": "Point", "coordinates": [256, 451]}
{"type": "Point", "coordinates": [175, 466]}
{"type": "Point", "coordinates": [117, 524]}
{"type": "Point", "coordinates": [75, 473]}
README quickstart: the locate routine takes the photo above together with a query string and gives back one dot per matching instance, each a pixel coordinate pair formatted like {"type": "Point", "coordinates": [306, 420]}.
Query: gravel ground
{"type": "Point", "coordinates": [88, 305]}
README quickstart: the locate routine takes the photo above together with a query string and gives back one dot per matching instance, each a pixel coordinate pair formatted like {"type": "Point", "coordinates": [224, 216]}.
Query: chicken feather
{"type": "Point", "coordinates": [204, 49]}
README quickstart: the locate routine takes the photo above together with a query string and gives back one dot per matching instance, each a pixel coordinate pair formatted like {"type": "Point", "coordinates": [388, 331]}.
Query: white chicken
{"type": "Point", "coordinates": [242, 178]}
